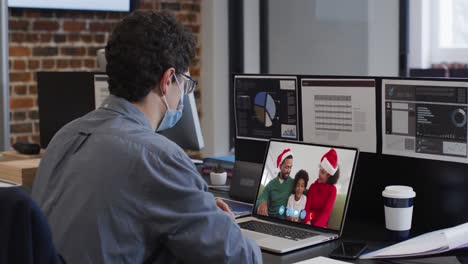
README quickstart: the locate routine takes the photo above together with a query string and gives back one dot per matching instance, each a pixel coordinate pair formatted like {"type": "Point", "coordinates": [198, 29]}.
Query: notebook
{"type": "Point", "coordinates": [302, 196]}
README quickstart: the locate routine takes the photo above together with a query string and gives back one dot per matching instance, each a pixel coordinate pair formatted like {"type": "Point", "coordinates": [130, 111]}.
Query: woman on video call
{"type": "Point", "coordinates": [322, 193]}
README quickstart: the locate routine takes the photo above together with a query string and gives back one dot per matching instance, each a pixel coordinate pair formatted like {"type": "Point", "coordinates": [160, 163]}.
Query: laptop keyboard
{"type": "Point", "coordinates": [276, 230]}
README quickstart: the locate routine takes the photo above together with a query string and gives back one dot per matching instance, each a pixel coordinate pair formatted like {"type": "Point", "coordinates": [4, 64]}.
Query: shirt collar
{"type": "Point", "coordinates": [127, 109]}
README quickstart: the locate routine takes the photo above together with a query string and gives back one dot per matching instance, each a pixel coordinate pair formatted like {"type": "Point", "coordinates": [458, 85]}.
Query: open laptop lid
{"type": "Point", "coordinates": [244, 183]}
{"type": "Point", "coordinates": [308, 161]}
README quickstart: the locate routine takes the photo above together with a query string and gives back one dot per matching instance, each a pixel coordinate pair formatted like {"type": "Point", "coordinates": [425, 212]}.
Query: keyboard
{"type": "Point", "coordinates": [276, 230]}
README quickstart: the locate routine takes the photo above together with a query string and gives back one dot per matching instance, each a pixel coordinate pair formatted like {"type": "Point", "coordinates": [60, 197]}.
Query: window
{"type": "Point", "coordinates": [449, 34]}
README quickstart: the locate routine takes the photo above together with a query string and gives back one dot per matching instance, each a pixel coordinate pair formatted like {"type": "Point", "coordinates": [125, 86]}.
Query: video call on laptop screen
{"type": "Point", "coordinates": [306, 183]}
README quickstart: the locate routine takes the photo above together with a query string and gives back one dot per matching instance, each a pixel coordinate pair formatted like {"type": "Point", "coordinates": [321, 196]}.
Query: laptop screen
{"type": "Point", "coordinates": [306, 183]}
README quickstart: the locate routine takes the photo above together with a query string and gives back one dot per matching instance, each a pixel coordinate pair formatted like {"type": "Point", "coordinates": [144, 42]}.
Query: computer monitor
{"type": "Point", "coordinates": [65, 96]}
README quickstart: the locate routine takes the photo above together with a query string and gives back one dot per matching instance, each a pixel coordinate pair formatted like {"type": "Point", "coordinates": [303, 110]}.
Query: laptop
{"type": "Point", "coordinates": [243, 187]}
{"type": "Point", "coordinates": [300, 213]}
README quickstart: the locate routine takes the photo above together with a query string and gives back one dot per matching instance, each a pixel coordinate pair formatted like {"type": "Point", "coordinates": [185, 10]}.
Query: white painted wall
{"type": "Point", "coordinates": [419, 35]}
{"type": "Point", "coordinates": [4, 79]}
{"type": "Point", "coordinates": [342, 37]}
{"type": "Point", "coordinates": [214, 77]}
{"type": "Point", "coordinates": [383, 38]}
{"type": "Point", "coordinates": [251, 36]}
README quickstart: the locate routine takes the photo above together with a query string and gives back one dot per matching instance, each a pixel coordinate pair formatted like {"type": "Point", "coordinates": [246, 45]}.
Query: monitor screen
{"type": "Point", "coordinates": [306, 183]}
{"type": "Point", "coordinates": [108, 5]}
{"type": "Point", "coordinates": [65, 96]}
{"type": "Point", "coordinates": [266, 107]}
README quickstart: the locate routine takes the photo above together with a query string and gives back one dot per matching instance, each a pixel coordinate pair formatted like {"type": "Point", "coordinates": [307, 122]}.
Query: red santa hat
{"type": "Point", "coordinates": [282, 156]}
{"type": "Point", "coordinates": [329, 162]}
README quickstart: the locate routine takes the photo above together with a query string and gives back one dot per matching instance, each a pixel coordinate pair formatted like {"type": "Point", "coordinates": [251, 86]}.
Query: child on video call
{"type": "Point", "coordinates": [297, 200]}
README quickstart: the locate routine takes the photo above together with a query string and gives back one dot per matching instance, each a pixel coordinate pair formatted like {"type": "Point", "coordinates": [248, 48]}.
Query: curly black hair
{"type": "Point", "coordinates": [142, 46]}
{"type": "Point", "coordinates": [334, 179]}
{"type": "Point", "coordinates": [301, 174]}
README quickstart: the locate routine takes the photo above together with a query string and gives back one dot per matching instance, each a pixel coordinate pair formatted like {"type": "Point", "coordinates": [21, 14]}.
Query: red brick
{"type": "Point", "coordinates": [33, 64]}
{"type": "Point", "coordinates": [73, 37]}
{"type": "Point", "coordinates": [32, 13]}
{"type": "Point", "coordinates": [90, 63]}
{"type": "Point", "coordinates": [20, 77]}
{"type": "Point", "coordinates": [32, 89]}
{"type": "Point", "coordinates": [16, 37]}
{"type": "Point", "coordinates": [195, 72]}
{"type": "Point", "coordinates": [18, 25]}
{"type": "Point", "coordinates": [19, 65]}
{"type": "Point", "coordinates": [45, 51]}
{"type": "Point", "coordinates": [35, 138]}
{"type": "Point", "coordinates": [21, 128]}
{"type": "Point", "coordinates": [191, 7]}
{"type": "Point", "coordinates": [62, 64]}
{"type": "Point", "coordinates": [73, 26]}
{"type": "Point", "coordinates": [19, 116]}
{"type": "Point", "coordinates": [116, 15]}
{"type": "Point", "coordinates": [100, 15]}
{"type": "Point", "coordinates": [73, 51]}
{"type": "Point", "coordinates": [33, 114]}
{"type": "Point", "coordinates": [32, 37]}
{"type": "Point", "coordinates": [17, 51]}
{"type": "Point", "coordinates": [21, 90]}
{"type": "Point", "coordinates": [60, 38]}
{"type": "Point", "coordinates": [16, 12]}
{"type": "Point", "coordinates": [92, 51]}
{"type": "Point", "coordinates": [46, 25]}
{"type": "Point", "coordinates": [147, 5]}
{"type": "Point", "coordinates": [170, 6]}
{"type": "Point", "coordinates": [47, 37]}
{"type": "Point", "coordinates": [23, 102]}
{"type": "Point", "coordinates": [87, 38]}
{"type": "Point", "coordinates": [99, 38]}
{"type": "Point", "coordinates": [21, 139]}
{"type": "Point", "coordinates": [100, 27]}
{"type": "Point", "coordinates": [76, 63]}
{"type": "Point", "coordinates": [48, 64]}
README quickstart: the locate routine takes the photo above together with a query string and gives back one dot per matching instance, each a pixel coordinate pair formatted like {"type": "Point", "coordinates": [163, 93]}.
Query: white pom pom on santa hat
{"type": "Point", "coordinates": [329, 162]}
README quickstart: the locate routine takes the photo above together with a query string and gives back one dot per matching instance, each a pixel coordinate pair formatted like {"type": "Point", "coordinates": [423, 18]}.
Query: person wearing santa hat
{"type": "Point", "coordinates": [277, 191]}
{"type": "Point", "coordinates": [322, 193]}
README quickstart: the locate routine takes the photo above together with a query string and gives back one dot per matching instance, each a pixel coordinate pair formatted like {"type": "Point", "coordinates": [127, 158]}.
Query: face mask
{"type": "Point", "coordinates": [172, 116]}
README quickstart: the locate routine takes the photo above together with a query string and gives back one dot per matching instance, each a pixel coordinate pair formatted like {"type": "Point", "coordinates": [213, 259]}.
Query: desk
{"type": "Point", "coordinates": [372, 234]}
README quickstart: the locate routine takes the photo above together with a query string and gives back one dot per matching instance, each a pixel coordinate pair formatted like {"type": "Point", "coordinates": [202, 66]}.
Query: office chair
{"type": "Point", "coordinates": [25, 235]}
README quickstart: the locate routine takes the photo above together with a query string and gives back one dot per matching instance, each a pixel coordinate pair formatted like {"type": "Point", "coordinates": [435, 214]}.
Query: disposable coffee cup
{"type": "Point", "coordinates": [398, 205]}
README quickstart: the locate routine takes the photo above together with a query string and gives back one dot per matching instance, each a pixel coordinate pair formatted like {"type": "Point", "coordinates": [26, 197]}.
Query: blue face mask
{"type": "Point", "coordinates": [172, 116]}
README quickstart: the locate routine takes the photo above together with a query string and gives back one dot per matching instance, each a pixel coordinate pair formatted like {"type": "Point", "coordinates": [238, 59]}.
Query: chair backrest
{"type": "Point", "coordinates": [25, 235]}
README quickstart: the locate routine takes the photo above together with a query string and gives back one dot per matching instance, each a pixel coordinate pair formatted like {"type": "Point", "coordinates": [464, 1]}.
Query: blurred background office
{"type": "Point", "coordinates": [359, 37]}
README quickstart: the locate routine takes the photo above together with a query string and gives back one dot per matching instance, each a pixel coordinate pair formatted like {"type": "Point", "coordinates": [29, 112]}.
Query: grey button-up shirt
{"type": "Point", "coordinates": [114, 191]}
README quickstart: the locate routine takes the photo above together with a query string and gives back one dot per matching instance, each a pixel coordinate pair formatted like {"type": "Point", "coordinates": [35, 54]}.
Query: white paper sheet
{"type": "Point", "coordinates": [425, 119]}
{"type": "Point", "coordinates": [101, 89]}
{"type": "Point", "coordinates": [339, 112]}
{"type": "Point", "coordinates": [429, 243]}
{"type": "Point", "coordinates": [321, 260]}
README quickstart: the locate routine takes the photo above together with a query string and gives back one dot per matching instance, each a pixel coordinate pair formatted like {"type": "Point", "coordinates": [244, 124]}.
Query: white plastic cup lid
{"type": "Point", "coordinates": [398, 192]}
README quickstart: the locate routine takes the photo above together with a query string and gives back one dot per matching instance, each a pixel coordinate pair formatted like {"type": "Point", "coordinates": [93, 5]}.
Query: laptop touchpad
{"type": "Point", "coordinates": [254, 235]}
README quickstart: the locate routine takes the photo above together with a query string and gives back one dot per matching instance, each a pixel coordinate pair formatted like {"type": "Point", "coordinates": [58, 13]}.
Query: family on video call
{"type": "Point", "coordinates": [289, 197]}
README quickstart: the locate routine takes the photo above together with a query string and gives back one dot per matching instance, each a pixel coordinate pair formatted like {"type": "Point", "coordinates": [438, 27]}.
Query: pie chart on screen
{"type": "Point", "coordinates": [265, 108]}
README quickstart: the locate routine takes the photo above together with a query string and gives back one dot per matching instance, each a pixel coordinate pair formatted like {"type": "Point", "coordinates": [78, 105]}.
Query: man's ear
{"type": "Point", "coordinates": [166, 80]}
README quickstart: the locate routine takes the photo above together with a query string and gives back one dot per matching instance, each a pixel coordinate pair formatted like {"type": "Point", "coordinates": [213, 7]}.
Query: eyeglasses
{"type": "Point", "coordinates": [190, 84]}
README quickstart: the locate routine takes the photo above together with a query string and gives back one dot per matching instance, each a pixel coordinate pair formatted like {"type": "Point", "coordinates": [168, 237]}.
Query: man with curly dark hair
{"type": "Point", "coordinates": [114, 191]}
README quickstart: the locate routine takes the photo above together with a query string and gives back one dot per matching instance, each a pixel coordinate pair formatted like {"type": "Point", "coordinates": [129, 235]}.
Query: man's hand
{"type": "Point", "coordinates": [223, 206]}
{"type": "Point", "coordinates": [263, 209]}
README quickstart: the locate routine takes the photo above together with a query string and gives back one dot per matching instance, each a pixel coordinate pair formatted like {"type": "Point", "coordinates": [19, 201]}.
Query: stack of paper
{"type": "Point", "coordinates": [430, 243]}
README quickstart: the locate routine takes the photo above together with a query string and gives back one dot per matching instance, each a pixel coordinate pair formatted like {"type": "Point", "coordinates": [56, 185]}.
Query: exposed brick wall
{"type": "Point", "coordinates": [65, 40]}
